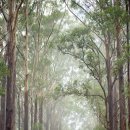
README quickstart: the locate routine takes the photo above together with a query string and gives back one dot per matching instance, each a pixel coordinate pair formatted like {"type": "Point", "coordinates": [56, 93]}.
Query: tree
{"type": "Point", "coordinates": [26, 117]}
{"type": "Point", "coordinates": [13, 10]}
{"type": "Point", "coordinates": [104, 20]}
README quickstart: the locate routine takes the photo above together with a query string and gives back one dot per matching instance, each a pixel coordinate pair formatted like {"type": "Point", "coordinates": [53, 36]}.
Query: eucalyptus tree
{"type": "Point", "coordinates": [85, 50]}
{"type": "Point", "coordinates": [99, 46]}
{"type": "Point", "coordinates": [26, 70]}
{"type": "Point", "coordinates": [10, 11]}
{"type": "Point", "coordinates": [38, 27]}
{"type": "Point", "coordinates": [127, 4]}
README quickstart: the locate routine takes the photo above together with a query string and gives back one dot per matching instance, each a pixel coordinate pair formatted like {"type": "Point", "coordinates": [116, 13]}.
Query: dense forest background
{"type": "Point", "coordinates": [64, 65]}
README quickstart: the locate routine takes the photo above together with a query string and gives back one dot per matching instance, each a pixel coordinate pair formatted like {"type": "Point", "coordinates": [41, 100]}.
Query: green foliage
{"type": "Point", "coordinates": [119, 62]}
{"type": "Point", "coordinates": [105, 19]}
{"type": "Point", "coordinates": [73, 4]}
{"type": "Point", "coordinates": [73, 91]}
{"type": "Point", "coordinates": [81, 45]}
{"type": "Point", "coordinates": [93, 58]}
{"type": "Point", "coordinates": [99, 127]}
{"type": "Point", "coordinates": [78, 89]}
{"type": "Point", "coordinates": [37, 126]}
{"type": "Point", "coordinates": [2, 91]}
{"type": "Point", "coordinates": [3, 69]}
{"type": "Point", "coordinates": [116, 12]}
{"type": "Point", "coordinates": [3, 72]}
{"type": "Point", "coordinates": [75, 41]}
{"type": "Point", "coordinates": [57, 92]}
{"type": "Point", "coordinates": [46, 62]}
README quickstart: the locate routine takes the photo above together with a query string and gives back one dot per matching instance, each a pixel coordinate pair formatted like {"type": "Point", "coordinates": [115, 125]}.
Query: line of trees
{"type": "Point", "coordinates": [30, 32]}
{"type": "Point", "coordinates": [102, 45]}
{"type": "Point", "coordinates": [27, 31]}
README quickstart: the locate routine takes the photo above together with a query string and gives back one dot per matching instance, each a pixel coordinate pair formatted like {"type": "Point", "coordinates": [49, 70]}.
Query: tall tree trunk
{"type": "Point", "coordinates": [26, 72]}
{"type": "Point", "coordinates": [19, 112]}
{"type": "Point", "coordinates": [115, 108]}
{"type": "Point", "coordinates": [128, 66]}
{"type": "Point", "coordinates": [121, 81]}
{"type": "Point", "coordinates": [47, 126]}
{"type": "Point", "coordinates": [35, 113]}
{"type": "Point", "coordinates": [32, 114]}
{"type": "Point", "coordinates": [13, 9]}
{"type": "Point", "coordinates": [3, 105]}
{"type": "Point", "coordinates": [11, 78]}
{"type": "Point", "coordinates": [41, 113]}
{"type": "Point", "coordinates": [109, 81]}
{"type": "Point", "coordinates": [120, 72]}
{"type": "Point", "coordinates": [2, 124]}
{"type": "Point", "coordinates": [0, 120]}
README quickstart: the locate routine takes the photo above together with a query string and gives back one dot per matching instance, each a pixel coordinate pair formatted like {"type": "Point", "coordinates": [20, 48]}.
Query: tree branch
{"type": "Point", "coordinates": [82, 59]}
{"type": "Point", "coordinates": [20, 53]}
{"type": "Point", "coordinates": [95, 95]}
{"type": "Point", "coordinates": [82, 21]}
{"type": "Point", "coordinates": [17, 11]}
